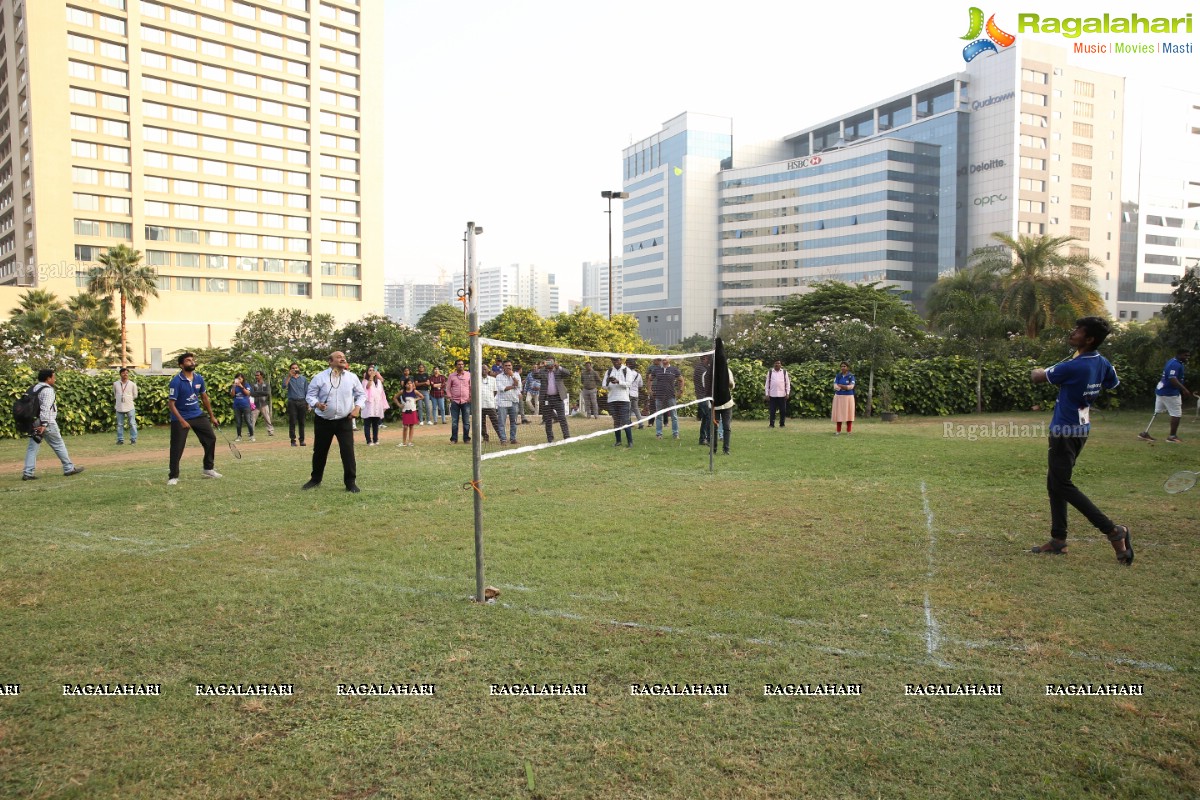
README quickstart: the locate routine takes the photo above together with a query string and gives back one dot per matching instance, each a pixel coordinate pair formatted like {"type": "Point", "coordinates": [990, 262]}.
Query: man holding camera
{"type": "Point", "coordinates": [45, 426]}
{"type": "Point", "coordinates": [295, 387]}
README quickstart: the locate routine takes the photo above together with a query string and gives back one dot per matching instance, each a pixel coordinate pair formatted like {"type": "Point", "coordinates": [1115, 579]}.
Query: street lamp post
{"type": "Point", "coordinates": [609, 196]}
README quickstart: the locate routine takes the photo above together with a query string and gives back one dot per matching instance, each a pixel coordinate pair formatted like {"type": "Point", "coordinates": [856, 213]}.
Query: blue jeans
{"type": "Point", "coordinates": [512, 413]}
{"type": "Point", "coordinates": [55, 440]}
{"type": "Point", "coordinates": [460, 410]}
{"type": "Point", "coordinates": [659, 404]}
{"type": "Point", "coordinates": [122, 417]}
{"type": "Point", "coordinates": [439, 409]}
{"type": "Point", "coordinates": [425, 409]}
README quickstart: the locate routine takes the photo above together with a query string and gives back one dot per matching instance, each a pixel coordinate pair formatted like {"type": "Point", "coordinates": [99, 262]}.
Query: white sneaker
{"type": "Point", "coordinates": [172, 481]}
{"type": "Point", "coordinates": [238, 440]}
{"type": "Point", "coordinates": [255, 440]}
{"type": "Point", "coordinates": [211, 473]}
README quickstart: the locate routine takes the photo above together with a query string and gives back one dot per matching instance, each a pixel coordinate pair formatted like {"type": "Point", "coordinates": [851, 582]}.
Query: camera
{"type": "Point", "coordinates": [37, 437]}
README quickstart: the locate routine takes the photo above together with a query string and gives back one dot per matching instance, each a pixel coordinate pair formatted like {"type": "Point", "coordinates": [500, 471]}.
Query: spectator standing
{"type": "Point", "coordinates": [700, 384]}
{"type": "Point", "coordinates": [533, 390]}
{"type": "Point", "coordinates": [242, 411]}
{"type": "Point", "coordinates": [616, 381]}
{"type": "Point", "coordinates": [45, 426]}
{"type": "Point", "coordinates": [724, 417]}
{"type": "Point", "coordinates": [261, 390]}
{"type": "Point", "coordinates": [635, 391]}
{"type": "Point", "coordinates": [508, 400]}
{"type": "Point", "coordinates": [458, 388]}
{"type": "Point", "coordinates": [408, 399]}
{"type": "Point", "coordinates": [295, 388]}
{"type": "Point", "coordinates": [843, 399]}
{"type": "Point", "coordinates": [437, 396]}
{"type": "Point", "coordinates": [487, 406]}
{"type": "Point", "coordinates": [422, 384]}
{"type": "Point", "coordinates": [335, 396]}
{"type": "Point", "coordinates": [553, 379]}
{"type": "Point", "coordinates": [185, 393]}
{"type": "Point", "coordinates": [374, 406]}
{"type": "Point", "coordinates": [666, 381]}
{"type": "Point", "coordinates": [589, 391]}
{"type": "Point", "coordinates": [777, 389]}
{"type": "Point", "coordinates": [125, 393]}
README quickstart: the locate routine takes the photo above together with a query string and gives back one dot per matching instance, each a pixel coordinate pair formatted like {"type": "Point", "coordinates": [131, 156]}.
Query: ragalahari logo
{"type": "Point", "coordinates": [995, 36]}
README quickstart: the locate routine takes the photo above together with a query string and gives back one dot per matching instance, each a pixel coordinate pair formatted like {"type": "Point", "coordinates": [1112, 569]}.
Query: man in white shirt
{"type": "Point", "coordinates": [487, 406]}
{"type": "Point", "coordinates": [777, 389]}
{"type": "Point", "coordinates": [616, 380]}
{"type": "Point", "coordinates": [508, 400]}
{"type": "Point", "coordinates": [45, 426]}
{"type": "Point", "coordinates": [125, 392]}
{"type": "Point", "coordinates": [336, 397]}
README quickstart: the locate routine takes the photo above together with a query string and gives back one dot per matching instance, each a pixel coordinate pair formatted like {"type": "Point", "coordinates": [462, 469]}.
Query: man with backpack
{"type": "Point", "coordinates": [42, 414]}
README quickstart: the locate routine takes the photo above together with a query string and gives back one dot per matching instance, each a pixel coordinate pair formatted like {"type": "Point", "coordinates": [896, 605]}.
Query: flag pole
{"type": "Point", "coordinates": [476, 362]}
{"type": "Point", "coordinates": [712, 411]}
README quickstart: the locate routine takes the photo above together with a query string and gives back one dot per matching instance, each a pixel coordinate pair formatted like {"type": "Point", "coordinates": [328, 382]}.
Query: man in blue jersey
{"type": "Point", "coordinates": [185, 393]}
{"type": "Point", "coordinates": [1169, 395]}
{"type": "Point", "coordinates": [1079, 380]}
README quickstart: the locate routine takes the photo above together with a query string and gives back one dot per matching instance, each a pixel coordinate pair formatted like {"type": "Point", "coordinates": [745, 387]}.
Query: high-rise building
{"type": "Point", "coordinates": [408, 302]}
{"type": "Point", "coordinates": [901, 191]}
{"type": "Point", "coordinates": [595, 286]}
{"type": "Point", "coordinates": [520, 285]}
{"type": "Point", "coordinates": [1160, 233]}
{"type": "Point", "coordinates": [231, 142]}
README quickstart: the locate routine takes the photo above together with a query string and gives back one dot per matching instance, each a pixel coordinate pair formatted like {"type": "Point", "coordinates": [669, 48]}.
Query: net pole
{"type": "Point", "coordinates": [476, 366]}
{"type": "Point", "coordinates": [712, 411]}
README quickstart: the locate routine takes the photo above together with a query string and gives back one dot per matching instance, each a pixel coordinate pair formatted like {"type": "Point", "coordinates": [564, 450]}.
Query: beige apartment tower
{"type": "Point", "coordinates": [236, 144]}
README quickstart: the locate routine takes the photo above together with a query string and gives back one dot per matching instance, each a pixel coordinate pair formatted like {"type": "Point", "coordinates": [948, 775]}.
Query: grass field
{"type": "Point", "coordinates": [891, 557]}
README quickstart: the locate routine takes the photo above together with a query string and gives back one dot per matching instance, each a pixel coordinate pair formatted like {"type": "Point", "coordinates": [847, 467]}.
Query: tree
{"type": "Point", "coordinates": [90, 317]}
{"type": "Point", "coordinates": [121, 272]}
{"type": "Point", "coordinates": [965, 308]}
{"type": "Point", "coordinates": [447, 324]}
{"type": "Point", "coordinates": [523, 325]}
{"type": "Point", "coordinates": [1042, 287]}
{"type": "Point", "coordinates": [834, 300]}
{"type": "Point", "coordinates": [1182, 314]}
{"type": "Point", "coordinates": [38, 313]}
{"type": "Point", "coordinates": [284, 333]}
{"type": "Point", "coordinates": [389, 345]}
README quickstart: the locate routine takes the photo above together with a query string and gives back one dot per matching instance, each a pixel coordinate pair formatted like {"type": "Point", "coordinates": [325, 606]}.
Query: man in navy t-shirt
{"type": "Point", "coordinates": [1079, 380]}
{"type": "Point", "coordinates": [1169, 395]}
{"type": "Point", "coordinates": [185, 393]}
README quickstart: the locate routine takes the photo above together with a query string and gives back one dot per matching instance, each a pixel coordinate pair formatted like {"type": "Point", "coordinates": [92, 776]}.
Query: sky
{"type": "Point", "coordinates": [513, 115]}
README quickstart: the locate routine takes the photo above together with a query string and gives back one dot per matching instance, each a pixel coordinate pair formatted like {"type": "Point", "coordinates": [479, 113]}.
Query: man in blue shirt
{"type": "Point", "coordinates": [295, 388]}
{"type": "Point", "coordinates": [336, 397]}
{"type": "Point", "coordinates": [1169, 396]}
{"type": "Point", "coordinates": [185, 393]}
{"type": "Point", "coordinates": [1079, 380]}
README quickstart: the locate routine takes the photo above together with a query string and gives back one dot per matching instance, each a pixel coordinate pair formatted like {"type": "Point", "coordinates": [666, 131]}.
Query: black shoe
{"type": "Point", "coordinates": [302, 444]}
{"type": "Point", "coordinates": [28, 477]}
{"type": "Point", "coordinates": [467, 440]}
{"type": "Point", "coordinates": [353, 489]}
{"type": "Point", "coordinates": [293, 443]}
{"type": "Point", "coordinates": [311, 485]}
{"type": "Point", "coordinates": [120, 443]}
{"type": "Point", "coordinates": [74, 471]}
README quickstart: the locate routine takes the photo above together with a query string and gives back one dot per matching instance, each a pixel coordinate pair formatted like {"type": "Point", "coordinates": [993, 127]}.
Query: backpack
{"type": "Point", "coordinates": [26, 409]}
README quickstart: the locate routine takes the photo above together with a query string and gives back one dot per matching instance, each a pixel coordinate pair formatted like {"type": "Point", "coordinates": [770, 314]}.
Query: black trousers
{"type": "Point", "coordinates": [371, 428]}
{"type": "Point", "coordinates": [297, 411]}
{"type": "Point", "coordinates": [620, 417]}
{"type": "Point", "coordinates": [724, 417]}
{"type": "Point", "coordinates": [705, 420]}
{"type": "Point", "coordinates": [780, 404]}
{"type": "Point", "coordinates": [324, 431]}
{"type": "Point", "coordinates": [1064, 450]}
{"type": "Point", "coordinates": [490, 414]}
{"type": "Point", "coordinates": [552, 409]}
{"type": "Point", "coordinates": [202, 425]}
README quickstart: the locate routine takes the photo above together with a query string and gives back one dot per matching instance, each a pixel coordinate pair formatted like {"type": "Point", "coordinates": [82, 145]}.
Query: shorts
{"type": "Point", "coordinates": [1171, 404]}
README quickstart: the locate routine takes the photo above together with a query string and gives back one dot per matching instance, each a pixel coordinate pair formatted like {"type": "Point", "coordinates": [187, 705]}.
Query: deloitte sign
{"type": "Point", "coordinates": [982, 166]}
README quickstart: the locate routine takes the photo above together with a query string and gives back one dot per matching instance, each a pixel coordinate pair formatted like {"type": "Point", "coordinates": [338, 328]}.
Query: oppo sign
{"type": "Point", "coordinates": [801, 163]}
{"type": "Point", "coordinates": [989, 199]}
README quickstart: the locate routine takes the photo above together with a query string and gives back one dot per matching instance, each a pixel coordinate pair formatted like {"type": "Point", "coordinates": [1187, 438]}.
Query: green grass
{"type": "Point", "coordinates": [803, 558]}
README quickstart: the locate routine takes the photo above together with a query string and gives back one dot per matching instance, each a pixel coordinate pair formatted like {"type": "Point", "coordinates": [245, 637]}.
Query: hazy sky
{"type": "Point", "coordinates": [513, 114]}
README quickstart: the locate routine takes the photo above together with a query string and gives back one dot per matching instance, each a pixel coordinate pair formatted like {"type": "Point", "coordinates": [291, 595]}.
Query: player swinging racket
{"type": "Point", "coordinates": [1079, 380]}
{"type": "Point", "coordinates": [1169, 396]}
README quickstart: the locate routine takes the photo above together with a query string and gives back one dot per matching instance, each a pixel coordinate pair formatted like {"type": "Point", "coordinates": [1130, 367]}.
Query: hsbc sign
{"type": "Point", "coordinates": [801, 163]}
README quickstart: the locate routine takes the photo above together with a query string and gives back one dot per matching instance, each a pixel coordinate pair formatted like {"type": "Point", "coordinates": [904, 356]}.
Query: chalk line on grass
{"type": "Point", "coordinates": [932, 632]}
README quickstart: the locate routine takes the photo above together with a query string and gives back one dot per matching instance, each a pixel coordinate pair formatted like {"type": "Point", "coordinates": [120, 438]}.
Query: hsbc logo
{"type": "Point", "coordinates": [801, 163]}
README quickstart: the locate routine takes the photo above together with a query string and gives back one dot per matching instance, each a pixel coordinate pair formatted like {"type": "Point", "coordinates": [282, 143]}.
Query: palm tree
{"type": "Point", "coordinates": [1042, 286]}
{"type": "Point", "coordinates": [40, 312]}
{"type": "Point", "coordinates": [91, 317]}
{"type": "Point", "coordinates": [965, 307]}
{"type": "Point", "coordinates": [123, 273]}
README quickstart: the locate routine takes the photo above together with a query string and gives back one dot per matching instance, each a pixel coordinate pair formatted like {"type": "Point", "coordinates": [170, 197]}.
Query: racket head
{"type": "Point", "coordinates": [1180, 482]}
{"type": "Point", "coordinates": [233, 449]}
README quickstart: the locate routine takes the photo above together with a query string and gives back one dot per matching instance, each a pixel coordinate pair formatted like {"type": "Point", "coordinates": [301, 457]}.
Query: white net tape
{"type": "Point", "coordinates": [590, 353]}
{"type": "Point", "coordinates": [584, 437]}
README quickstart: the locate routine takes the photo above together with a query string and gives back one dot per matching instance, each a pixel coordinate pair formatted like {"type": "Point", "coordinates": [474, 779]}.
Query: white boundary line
{"type": "Point", "coordinates": [932, 632]}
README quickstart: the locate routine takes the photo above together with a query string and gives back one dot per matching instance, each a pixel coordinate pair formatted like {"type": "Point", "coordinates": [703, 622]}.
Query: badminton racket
{"type": "Point", "coordinates": [232, 447]}
{"type": "Point", "coordinates": [1180, 482]}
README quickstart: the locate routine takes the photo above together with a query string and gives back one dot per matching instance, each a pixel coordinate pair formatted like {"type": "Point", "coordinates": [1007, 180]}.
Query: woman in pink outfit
{"type": "Point", "coordinates": [843, 399]}
{"type": "Point", "coordinates": [374, 406]}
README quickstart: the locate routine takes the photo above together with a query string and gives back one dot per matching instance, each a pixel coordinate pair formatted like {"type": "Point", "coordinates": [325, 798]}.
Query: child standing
{"type": "Point", "coordinates": [408, 411]}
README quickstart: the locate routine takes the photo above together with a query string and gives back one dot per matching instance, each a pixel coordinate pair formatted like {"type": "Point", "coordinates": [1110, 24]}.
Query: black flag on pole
{"type": "Point", "coordinates": [720, 378]}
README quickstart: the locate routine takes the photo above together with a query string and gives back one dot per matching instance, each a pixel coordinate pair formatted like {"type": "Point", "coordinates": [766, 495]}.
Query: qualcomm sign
{"type": "Point", "coordinates": [993, 100]}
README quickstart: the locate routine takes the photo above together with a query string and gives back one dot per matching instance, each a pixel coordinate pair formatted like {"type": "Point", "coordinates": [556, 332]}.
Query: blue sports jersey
{"type": "Point", "coordinates": [186, 394]}
{"type": "Point", "coordinates": [1079, 381]}
{"type": "Point", "coordinates": [1173, 369]}
{"type": "Point", "coordinates": [844, 381]}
